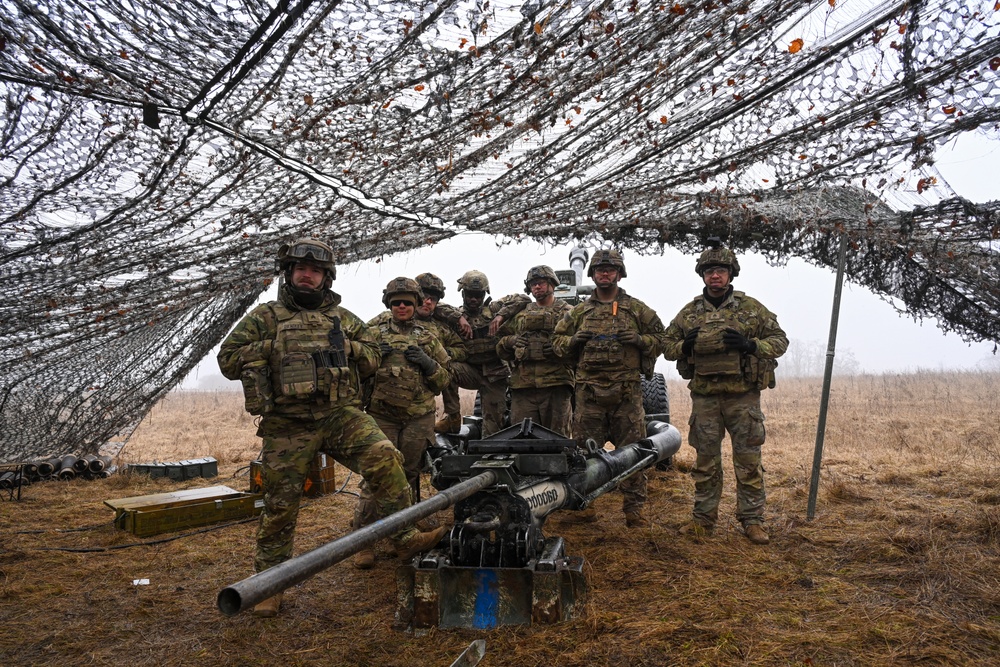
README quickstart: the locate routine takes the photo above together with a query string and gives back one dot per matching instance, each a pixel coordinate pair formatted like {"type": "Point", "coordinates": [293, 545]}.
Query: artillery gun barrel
{"type": "Point", "coordinates": [663, 440]}
{"type": "Point", "coordinates": [604, 471]}
{"type": "Point", "coordinates": [245, 594]}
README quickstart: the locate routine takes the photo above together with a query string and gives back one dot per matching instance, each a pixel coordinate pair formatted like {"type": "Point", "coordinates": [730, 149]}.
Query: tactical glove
{"type": "Point", "coordinates": [734, 340]}
{"type": "Point", "coordinates": [385, 348]}
{"type": "Point", "coordinates": [580, 338]}
{"type": "Point", "coordinates": [632, 338]}
{"type": "Point", "coordinates": [688, 345]}
{"type": "Point", "coordinates": [417, 356]}
{"type": "Point", "coordinates": [547, 350]}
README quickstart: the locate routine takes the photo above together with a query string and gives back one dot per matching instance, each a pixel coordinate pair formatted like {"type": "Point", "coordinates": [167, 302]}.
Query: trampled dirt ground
{"type": "Point", "coordinates": [900, 565]}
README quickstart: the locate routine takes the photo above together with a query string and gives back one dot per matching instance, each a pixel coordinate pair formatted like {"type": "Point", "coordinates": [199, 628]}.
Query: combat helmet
{"type": "Point", "coordinates": [717, 255]}
{"type": "Point", "coordinates": [431, 285]}
{"type": "Point", "coordinates": [602, 257]}
{"type": "Point", "coordinates": [402, 285]}
{"type": "Point", "coordinates": [474, 281]}
{"type": "Point", "coordinates": [543, 272]}
{"type": "Point", "coordinates": [306, 249]}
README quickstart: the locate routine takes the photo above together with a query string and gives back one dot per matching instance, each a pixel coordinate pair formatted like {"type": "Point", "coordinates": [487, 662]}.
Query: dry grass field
{"type": "Point", "coordinates": [900, 565]}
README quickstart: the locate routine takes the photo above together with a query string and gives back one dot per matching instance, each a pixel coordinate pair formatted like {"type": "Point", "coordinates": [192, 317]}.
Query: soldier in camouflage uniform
{"type": "Point", "coordinates": [483, 369]}
{"type": "Point", "coordinates": [300, 360]}
{"type": "Point", "coordinates": [413, 371]}
{"type": "Point", "coordinates": [541, 383]}
{"type": "Point", "coordinates": [612, 338]}
{"type": "Point", "coordinates": [725, 343]}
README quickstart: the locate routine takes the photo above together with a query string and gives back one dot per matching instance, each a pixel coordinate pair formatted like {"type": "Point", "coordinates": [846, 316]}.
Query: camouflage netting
{"type": "Point", "coordinates": [154, 154]}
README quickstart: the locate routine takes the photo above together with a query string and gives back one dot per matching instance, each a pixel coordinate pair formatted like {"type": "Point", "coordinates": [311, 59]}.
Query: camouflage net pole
{"type": "Point", "coordinates": [153, 154]}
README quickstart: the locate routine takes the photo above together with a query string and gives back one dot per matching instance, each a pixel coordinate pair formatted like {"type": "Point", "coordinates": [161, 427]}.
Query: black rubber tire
{"type": "Point", "coordinates": [656, 402]}
{"type": "Point", "coordinates": [654, 395]}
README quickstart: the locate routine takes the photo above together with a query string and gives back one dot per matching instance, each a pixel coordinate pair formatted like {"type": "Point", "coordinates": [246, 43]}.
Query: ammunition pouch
{"type": "Point", "coordinates": [725, 364]}
{"type": "Point", "coordinates": [760, 372]}
{"type": "Point", "coordinates": [297, 375]}
{"type": "Point", "coordinates": [258, 395]}
{"type": "Point", "coordinates": [604, 351]}
{"type": "Point", "coordinates": [534, 350]}
{"type": "Point", "coordinates": [482, 347]}
{"type": "Point", "coordinates": [397, 381]}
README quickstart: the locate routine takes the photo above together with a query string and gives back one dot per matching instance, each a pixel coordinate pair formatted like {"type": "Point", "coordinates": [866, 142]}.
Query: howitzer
{"type": "Point", "coordinates": [495, 567]}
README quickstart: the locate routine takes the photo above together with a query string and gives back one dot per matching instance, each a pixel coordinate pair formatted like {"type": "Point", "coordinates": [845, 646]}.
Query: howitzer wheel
{"type": "Point", "coordinates": [655, 401]}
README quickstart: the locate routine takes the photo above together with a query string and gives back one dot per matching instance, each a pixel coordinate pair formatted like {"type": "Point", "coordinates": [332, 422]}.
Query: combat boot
{"type": "Point", "coordinates": [364, 559]}
{"type": "Point", "coordinates": [695, 529]}
{"type": "Point", "coordinates": [588, 515]}
{"type": "Point", "coordinates": [635, 519]}
{"type": "Point", "coordinates": [268, 608]}
{"type": "Point", "coordinates": [417, 542]}
{"type": "Point", "coordinates": [448, 424]}
{"type": "Point", "coordinates": [755, 533]}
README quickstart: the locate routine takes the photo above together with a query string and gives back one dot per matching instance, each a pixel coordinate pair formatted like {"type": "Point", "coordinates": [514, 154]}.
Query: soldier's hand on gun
{"type": "Point", "coordinates": [495, 324]}
{"type": "Point", "coordinates": [734, 340]}
{"type": "Point", "coordinates": [580, 338]}
{"type": "Point", "coordinates": [385, 348]}
{"type": "Point", "coordinates": [689, 339]}
{"type": "Point", "coordinates": [417, 356]}
{"type": "Point", "coordinates": [632, 338]}
{"type": "Point", "coordinates": [464, 327]}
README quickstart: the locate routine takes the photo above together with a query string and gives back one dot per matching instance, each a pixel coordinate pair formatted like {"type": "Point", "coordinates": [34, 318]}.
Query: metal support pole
{"type": "Point", "coordinates": [824, 400]}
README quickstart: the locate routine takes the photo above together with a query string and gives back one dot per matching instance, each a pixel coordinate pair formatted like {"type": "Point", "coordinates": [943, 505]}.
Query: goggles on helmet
{"type": "Point", "coordinates": [309, 251]}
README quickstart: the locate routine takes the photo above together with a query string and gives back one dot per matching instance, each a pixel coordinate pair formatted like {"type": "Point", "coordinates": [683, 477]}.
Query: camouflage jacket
{"type": "Point", "coordinates": [523, 341]}
{"type": "Point", "coordinates": [452, 342]}
{"type": "Point", "coordinates": [711, 368]}
{"type": "Point", "coordinates": [481, 350]}
{"type": "Point", "coordinates": [604, 360]}
{"type": "Point", "coordinates": [401, 391]}
{"type": "Point", "coordinates": [276, 351]}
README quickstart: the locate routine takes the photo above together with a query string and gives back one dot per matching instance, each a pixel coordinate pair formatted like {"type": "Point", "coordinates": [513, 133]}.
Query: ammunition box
{"type": "Point", "coordinates": [179, 510]}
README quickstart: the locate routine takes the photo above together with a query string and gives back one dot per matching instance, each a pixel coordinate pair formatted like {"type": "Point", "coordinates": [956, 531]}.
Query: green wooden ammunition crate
{"type": "Point", "coordinates": [179, 510]}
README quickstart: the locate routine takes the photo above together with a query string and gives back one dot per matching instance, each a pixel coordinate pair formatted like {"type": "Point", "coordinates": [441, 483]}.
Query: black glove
{"type": "Point", "coordinates": [547, 350]}
{"type": "Point", "coordinates": [688, 345]}
{"type": "Point", "coordinates": [385, 348]}
{"type": "Point", "coordinates": [580, 338]}
{"type": "Point", "coordinates": [417, 356]}
{"type": "Point", "coordinates": [631, 338]}
{"type": "Point", "coordinates": [734, 340]}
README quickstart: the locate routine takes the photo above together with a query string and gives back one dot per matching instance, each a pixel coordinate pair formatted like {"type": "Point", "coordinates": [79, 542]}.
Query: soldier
{"type": "Point", "coordinates": [612, 338]}
{"type": "Point", "coordinates": [413, 371]}
{"type": "Point", "coordinates": [726, 344]}
{"type": "Point", "coordinates": [541, 383]}
{"type": "Point", "coordinates": [300, 360]}
{"type": "Point", "coordinates": [483, 369]}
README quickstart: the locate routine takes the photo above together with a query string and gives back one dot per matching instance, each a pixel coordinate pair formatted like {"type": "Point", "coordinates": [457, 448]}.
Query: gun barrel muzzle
{"type": "Point", "coordinates": [245, 594]}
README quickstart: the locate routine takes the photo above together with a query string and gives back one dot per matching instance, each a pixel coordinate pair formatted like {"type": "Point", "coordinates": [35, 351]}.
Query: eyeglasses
{"type": "Point", "coordinates": [716, 270]}
{"type": "Point", "coordinates": [305, 250]}
{"type": "Point", "coordinates": [400, 302]}
{"type": "Point", "coordinates": [432, 297]}
{"type": "Point", "coordinates": [606, 269]}
{"type": "Point", "coordinates": [474, 294]}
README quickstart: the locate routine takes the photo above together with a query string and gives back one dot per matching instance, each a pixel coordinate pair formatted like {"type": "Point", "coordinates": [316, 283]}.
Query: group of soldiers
{"type": "Point", "coordinates": [322, 380]}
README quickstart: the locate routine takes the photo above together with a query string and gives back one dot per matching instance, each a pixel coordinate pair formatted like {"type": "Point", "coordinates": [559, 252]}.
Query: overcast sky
{"type": "Point", "coordinates": [801, 295]}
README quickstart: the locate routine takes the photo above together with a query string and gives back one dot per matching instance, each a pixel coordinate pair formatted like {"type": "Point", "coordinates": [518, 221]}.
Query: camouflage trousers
{"type": "Point", "coordinates": [613, 413]}
{"type": "Point", "coordinates": [550, 407]}
{"type": "Point", "coordinates": [492, 388]}
{"type": "Point", "coordinates": [711, 417]}
{"type": "Point", "coordinates": [348, 435]}
{"type": "Point", "coordinates": [411, 438]}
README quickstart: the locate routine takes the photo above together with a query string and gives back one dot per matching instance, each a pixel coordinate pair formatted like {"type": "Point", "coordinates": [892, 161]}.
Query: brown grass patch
{"type": "Point", "coordinates": [900, 565]}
